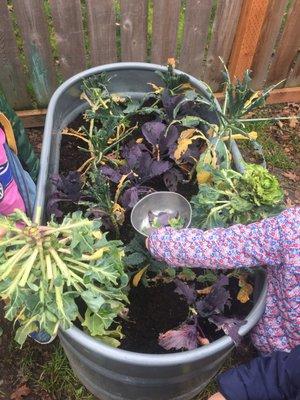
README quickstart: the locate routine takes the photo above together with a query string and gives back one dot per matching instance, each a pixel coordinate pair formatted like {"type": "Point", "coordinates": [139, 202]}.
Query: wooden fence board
{"type": "Point", "coordinates": [134, 30]}
{"type": "Point", "coordinates": [195, 34]}
{"type": "Point", "coordinates": [34, 29]}
{"type": "Point", "coordinates": [12, 76]}
{"type": "Point", "coordinates": [223, 32]}
{"type": "Point", "coordinates": [283, 95]}
{"type": "Point", "coordinates": [294, 76]}
{"type": "Point", "coordinates": [250, 25]}
{"type": "Point", "coordinates": [164, 30]}
{"type": "Point", "coordinates": [102, 31]}
{"type": "Point", "coordinates": [288, 46]}
{"type": "Point", "coordinates": [67, 22]}
{"type": "Point", "coordinates": [266, 43]}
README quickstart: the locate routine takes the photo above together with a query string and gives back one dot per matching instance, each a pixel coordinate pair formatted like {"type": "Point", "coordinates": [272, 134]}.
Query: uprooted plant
{"type": "Point", "coordinates": [45, 270]}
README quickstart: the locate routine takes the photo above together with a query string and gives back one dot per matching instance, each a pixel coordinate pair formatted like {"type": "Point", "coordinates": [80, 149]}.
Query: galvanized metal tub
{"type": "Point", "coordinates": [115, 374]}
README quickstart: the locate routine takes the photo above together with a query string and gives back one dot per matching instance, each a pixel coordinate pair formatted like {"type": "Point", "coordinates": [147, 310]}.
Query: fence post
{"type": "Point", "coordinates": [247, 35]}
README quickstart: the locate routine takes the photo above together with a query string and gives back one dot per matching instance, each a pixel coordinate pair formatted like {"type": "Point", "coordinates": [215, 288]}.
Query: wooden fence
{"type": "Point", "coordinates": [43, 42]}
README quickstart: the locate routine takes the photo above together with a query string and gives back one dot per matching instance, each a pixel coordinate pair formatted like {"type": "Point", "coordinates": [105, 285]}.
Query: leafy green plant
{"type": "Point", "coordinates": [45, 270]}
{"type": "Point", "coordinates": [232, 197]}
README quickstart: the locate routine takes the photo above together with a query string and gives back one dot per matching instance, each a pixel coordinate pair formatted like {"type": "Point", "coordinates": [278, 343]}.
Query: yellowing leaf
{"type": "Point", "coordinates": [245, 291]}
{"type": "Point", "coordinates": [138, 276]}
{"type": "Point", "coordinates": [255, 96]}
{"type": "Point", "coordinates": [186, 138]}
{"type": "Point", "coordinates": [156, 89]}
{"type": "Point", "coordinates": [98, 254]}
{"type": "Point", "coordinates": [186, 134]}
{"type": "Point", "coordinates": [118, 99]}
{"type": "Point", "coordinates": [139, 140]}
{"type": "Point", "coordinates": [209, 157]}
{"type": "Point", "coordinates": [97, 234]}
{"type": "Point", "coordinates": [186, 86]}
{"type": "Point", "coordinates": [203, 177]}
{"type": "Point", "coordinates": [237, 136]}
{"type": "Point", "coordinates": [119, 213]}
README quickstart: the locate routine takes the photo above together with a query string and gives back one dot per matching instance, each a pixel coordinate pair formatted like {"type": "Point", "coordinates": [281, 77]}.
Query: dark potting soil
{"type": "Point", "coordinates": [152, 310]}
{"type": "Point", "coordinates": [71, 157]}
{"type": "Point", "coordinates": [157, 309]}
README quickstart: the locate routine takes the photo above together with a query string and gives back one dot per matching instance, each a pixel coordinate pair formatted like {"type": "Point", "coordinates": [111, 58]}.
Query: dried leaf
{"type": "Point", "coordinates": [280, 124]}
{"type": "Point", "coordinates": [186, 138]}
{"type": "Point", "coordinates": [245, 291]}
{"type": "Point", "coordinates": [297, 196]}
{"type": "Point", "coordinates": [156, 89]}
{"type": "Point", "coordinates": [291, 176]}
{"type": "Point", "coordinates": [289, 203]}
{"type": "Point", "coordinates": [20, 392]}
{"type": "Point", "coordinates": [205, 291]}
{"type": "Point", "coordinates": [293, 122]}
{"type": "Point", "coordinates": [138, 276]}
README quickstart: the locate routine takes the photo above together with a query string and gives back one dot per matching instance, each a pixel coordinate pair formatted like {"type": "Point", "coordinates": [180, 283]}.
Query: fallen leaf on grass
{"type": "Point", "coordinates": [289, 203]}
{"type": "Point", "coordinates": [20, 392]}
{"type": "Point", "coordinates": [291, 176]}
{"type": "Point", "coordinates": [297, 196]}
{"type": "Point", "coordinates": [280, 124]}
{"type": "Point", "coordinates": [293, 122]}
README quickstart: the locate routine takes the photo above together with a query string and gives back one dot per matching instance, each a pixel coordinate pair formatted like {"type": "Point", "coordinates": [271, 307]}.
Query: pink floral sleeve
{"type": "Point", "coordinates": [220, 248]}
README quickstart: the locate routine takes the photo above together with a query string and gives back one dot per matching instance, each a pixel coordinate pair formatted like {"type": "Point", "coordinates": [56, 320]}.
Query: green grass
{"type": "Point", "coordinates": [273, 151]}
{"type": "Point", "coordinates": [57, 378]}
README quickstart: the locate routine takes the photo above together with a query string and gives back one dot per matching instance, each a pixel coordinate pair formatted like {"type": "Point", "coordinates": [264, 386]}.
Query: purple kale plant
{"type": "Point", "coordinates": [190, 334]}
{"type": "Point", "coordinates": [67, 189]}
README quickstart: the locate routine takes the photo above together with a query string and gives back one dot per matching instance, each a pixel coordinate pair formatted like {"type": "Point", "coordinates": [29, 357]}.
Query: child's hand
{"type": "Point", "coordinates": [217, 396]}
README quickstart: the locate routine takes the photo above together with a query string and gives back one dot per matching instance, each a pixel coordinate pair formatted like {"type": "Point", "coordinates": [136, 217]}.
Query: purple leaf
{"type": "Point", "coordinates": [185, 290]}
{"type": "Point", "coordinates": [132, 195]}
{"type": "Point", "coordinates": [185, 337]}
{"type": "Point", "coordinates": [222, 281]}
{"type": "Point", "coordinates": [67, 189]}
{"type": "Point", "coordinates": [162, 218]}
{"type": "Point", "coordinates": [132, 152]}
{"type": "Point", "coordinates": [171, 179]}
{"type": "Point", "coordinates": [170, 102]}
{"type": "Point", "coordinates": [230, 326]}
{"type": "Point", "coordinates": [167, 143]}
{"type": "Point", "coordinates": [110, 173]}
{"type": "Point", "coordinates": [149, 168]}
{"type": "Point", "coordinates": [193, 152]}
{"type": "Point", "coordinates": [216, 300]}
{"type": "Point", "coordinates": [153, 131]}
{"type": "Point", "coordinates": [159, 167]}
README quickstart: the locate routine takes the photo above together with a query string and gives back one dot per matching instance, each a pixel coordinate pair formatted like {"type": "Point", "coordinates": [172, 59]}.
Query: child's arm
{"type": "Point", "coordinates": [237, 246]}
{"type": "Point", "coordinates": [273, 377]}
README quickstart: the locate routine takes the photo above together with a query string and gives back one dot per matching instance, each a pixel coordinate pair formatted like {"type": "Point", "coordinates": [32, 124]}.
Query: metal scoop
{"type": "Point", "coordinates": [157, 202]}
